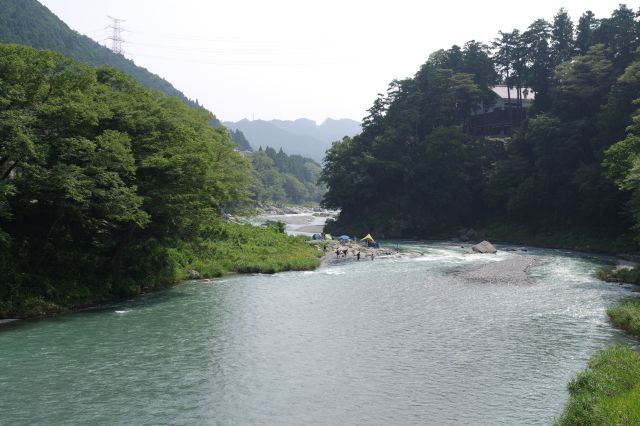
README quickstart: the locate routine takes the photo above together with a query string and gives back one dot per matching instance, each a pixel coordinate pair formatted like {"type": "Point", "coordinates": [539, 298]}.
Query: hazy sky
{"type": "Point", "coordinates": [291, 59]}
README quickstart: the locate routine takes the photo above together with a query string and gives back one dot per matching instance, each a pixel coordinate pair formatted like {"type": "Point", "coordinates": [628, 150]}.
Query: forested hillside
{"type": "Point", "coordinates": [30, 23]}
{"type": "Point", "coordinates": [571, 167]}
{"type": "Point", "coordinates": [282, 179]}
{"type": "Point", "coordinates": [107, 188]}
{"type": "Point", "coordinates": [239, 139]}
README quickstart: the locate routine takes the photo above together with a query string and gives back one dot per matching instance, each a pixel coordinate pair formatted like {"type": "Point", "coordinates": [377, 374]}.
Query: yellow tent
{"type": "Point", "coordinates": [368, 237]}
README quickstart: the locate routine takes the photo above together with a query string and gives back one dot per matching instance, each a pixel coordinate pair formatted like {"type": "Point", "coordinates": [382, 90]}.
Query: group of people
{"type": "Point", "coordinates": [343, 252]}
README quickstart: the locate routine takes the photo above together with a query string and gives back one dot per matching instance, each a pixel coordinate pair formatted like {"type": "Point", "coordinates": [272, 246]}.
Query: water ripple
{"type": "Point", "coordinates": [428, 340]}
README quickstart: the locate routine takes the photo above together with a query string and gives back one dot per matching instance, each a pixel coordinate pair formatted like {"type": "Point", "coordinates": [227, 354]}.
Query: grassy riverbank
{"type": "Point", "coordinates": [607, 393]}
{"type": "Point", "coordinates": [626, 315]}
{"type": "Point", "coordinates": [222, 248]}
{"type": "Point", "coordinates": [230, 248]}
{"type": "Point", "coordinates": [610, 274]}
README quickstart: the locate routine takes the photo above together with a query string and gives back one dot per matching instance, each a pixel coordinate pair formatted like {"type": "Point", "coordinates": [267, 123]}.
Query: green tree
{"type": "Point", "coordinates": [100, 178]}
{"type": "Point", "coordinates": [587, 24]}
{"type": "Point", "coordinates": [562, 38]}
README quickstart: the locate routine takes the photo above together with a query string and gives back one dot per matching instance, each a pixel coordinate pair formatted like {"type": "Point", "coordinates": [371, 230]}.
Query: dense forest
{"type": "Point", "coordinates": [279, 178]}
{"type": "Point", "coordinates": [108, 188]}
{"type": "Point", "coordinates": [570, 168]}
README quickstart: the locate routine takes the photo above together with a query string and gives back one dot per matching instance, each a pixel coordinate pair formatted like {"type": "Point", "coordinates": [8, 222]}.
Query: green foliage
{"type": "Point", "coordinates": [223, 248]}
{"type": "Point", "coordinates": [607, 393]}
{"type": "Point", "coordinates": [413, 169]}
{"type": "Point", "coordinates": [30, 23]}
{"type": "Point", "coordinates": [239, 139]}
{"type": "Point", "coordinates": [626, 314]}
{"type": "Point", "coordinates": [624, 275]}
{"type": "Point", "coordinates": [99, 180]}
{"type": "Point", "coordinates": [416, 169]}
{"type": "Point", "coordinates": [279, 178]}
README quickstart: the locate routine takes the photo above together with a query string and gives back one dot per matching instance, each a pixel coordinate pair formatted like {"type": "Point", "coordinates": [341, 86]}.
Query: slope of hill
{"type": "Point", "coordinates": [29, 22]}
{"type": "Point", "coordinates": [302, 137]}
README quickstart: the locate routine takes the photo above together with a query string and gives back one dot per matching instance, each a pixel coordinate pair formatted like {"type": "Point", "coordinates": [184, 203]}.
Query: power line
{"type": "Point", "coordinates": [212, 38]}
{"type": "Point", "coordinates": [234, 50]}
{"type": "Point", "coordinates": [135, 54]}
{"type": "Point", "coordinates": [116, 37]}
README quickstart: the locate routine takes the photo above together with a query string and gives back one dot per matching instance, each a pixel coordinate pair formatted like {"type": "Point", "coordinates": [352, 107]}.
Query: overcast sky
{"type": "Point", "coordinates": [291, 59]}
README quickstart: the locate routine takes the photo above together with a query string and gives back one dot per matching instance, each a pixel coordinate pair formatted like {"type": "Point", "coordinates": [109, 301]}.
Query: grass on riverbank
{"type": "Point", "coordinates": [626, 315]}
{"type": "Point", "coordinates": [631, 276]}
{"type": "Point", "coordinates": [221, 248]}
{"type": "Point", "coordinates": [607, 393]}
{"type": "Point", "coordinates": [230, 248]}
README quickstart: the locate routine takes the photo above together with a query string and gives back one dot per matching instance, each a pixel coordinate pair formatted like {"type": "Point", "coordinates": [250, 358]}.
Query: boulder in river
{"type": "Point", "coordinates": [484, 247]}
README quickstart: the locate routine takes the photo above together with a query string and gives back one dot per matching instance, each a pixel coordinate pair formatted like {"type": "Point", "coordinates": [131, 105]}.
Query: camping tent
{"type": "Point", "coordinates": [367, 237]}
{"type": "Point", "coordinates": [343, 238]}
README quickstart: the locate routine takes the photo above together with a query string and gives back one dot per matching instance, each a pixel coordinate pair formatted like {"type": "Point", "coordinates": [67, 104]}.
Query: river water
{"type": "Point", "coordinates": [410, 341]}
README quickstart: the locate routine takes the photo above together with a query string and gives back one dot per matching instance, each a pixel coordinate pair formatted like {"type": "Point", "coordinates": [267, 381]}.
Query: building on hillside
{"type": "Point", "coordinates": [508, 112]}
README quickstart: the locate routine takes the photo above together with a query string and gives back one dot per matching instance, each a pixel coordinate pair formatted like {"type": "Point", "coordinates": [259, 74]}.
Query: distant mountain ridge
{"type": "Point", "coordinates": [29, 22]}
{"type": "Point", "coordinates": [302, 136]}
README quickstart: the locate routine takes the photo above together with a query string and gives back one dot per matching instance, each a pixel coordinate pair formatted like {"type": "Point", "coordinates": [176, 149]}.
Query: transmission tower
{"type": "Point", "coordinates": [116, 37]}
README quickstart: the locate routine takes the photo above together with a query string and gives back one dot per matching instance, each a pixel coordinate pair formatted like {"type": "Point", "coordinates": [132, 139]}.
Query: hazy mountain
{"type": "Point", "coordinates": [29, 22]}
{"type": "Point", "coordinates": [303, 136]}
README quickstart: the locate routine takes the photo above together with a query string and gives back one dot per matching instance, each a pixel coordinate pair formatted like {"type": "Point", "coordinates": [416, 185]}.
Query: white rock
{"type": "Point", "coordinates": [484, 247]}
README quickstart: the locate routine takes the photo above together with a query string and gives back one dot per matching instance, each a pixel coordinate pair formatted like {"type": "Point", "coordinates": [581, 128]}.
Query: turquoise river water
{"type": "Point", "coordinates": [410, 341]}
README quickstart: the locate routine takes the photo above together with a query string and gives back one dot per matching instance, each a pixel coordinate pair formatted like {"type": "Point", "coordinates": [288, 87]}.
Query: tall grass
{"type": "Point", "coordinates": [607, 393]}
{"type": "Point", "coordinates": [626, 315]}
{"type": "Point", "coordinates": [227, 248]}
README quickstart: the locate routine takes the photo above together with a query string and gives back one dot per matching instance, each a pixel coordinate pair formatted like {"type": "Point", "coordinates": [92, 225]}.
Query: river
{"type": "Point", "coordinates": [408, 341]}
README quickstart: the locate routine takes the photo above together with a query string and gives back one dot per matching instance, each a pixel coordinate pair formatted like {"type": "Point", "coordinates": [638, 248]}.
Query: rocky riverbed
{"type": "Point", "coordinates": [508, 271]}
{"type": "Point", "coordinates": [298, 220]}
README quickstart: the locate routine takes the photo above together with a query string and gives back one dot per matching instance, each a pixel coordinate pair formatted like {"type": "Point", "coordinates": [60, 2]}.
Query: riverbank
{"type": "Point", "coordinates": [607, 393]}
{"type": "Point", "coordinates": [622, 272]}
{"type": "Point", "coordinates": [609, 390]}
{"type": "Point", "coordinates": [222, 248]}
{"type": "Point", "coordinates": [450, 347]}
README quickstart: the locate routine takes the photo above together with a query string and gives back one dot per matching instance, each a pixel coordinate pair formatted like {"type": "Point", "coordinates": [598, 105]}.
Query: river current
{"type": "Point", "coordinates": [408, 341]}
